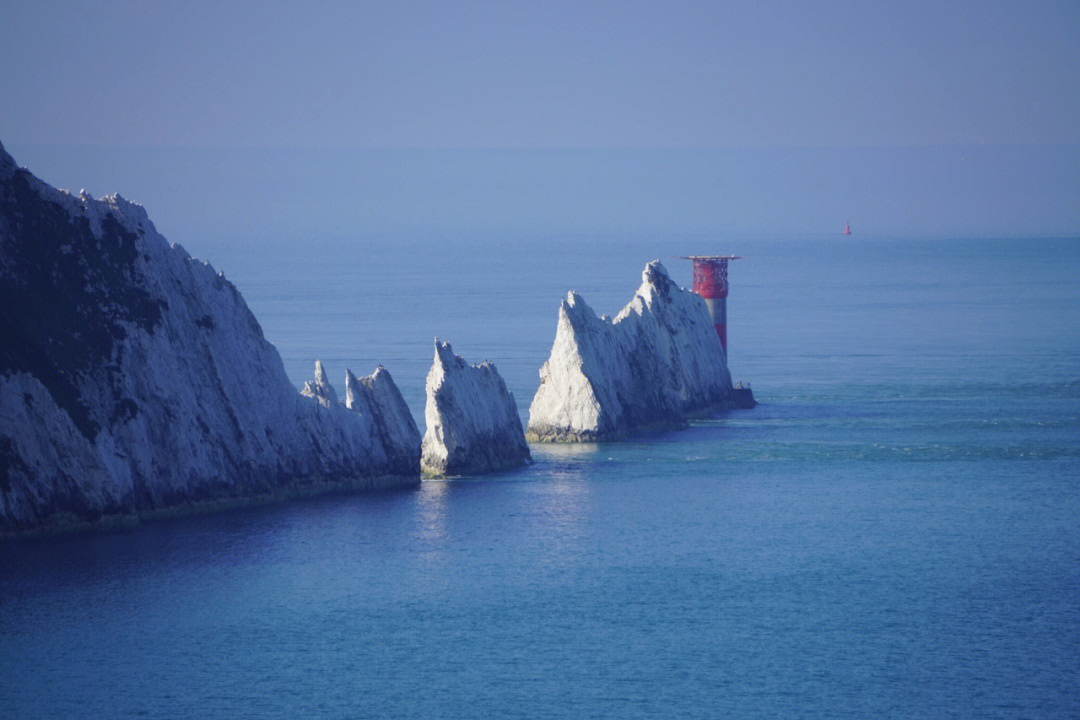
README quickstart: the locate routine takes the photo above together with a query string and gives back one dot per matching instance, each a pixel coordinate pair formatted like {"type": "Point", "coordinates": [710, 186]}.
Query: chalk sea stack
{"type": "Point", "coordinates": [135, 380]}
{"type": "Point", "coordinates": [657, 364]}
{"type": "Point", "coordinates": [472, 420]}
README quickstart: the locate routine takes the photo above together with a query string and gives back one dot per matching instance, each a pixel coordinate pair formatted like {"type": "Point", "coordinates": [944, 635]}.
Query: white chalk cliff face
{"type": "Point", "coordinates": [377, 397]}
{"type": "Point", "coordinates": [658, 363]}
{"type": "Point", "coordinates": [472, 420]}
{"type": "Point", "coordinates": [134, 379]}
{"type": "Point", "coordinates": [380, 406]}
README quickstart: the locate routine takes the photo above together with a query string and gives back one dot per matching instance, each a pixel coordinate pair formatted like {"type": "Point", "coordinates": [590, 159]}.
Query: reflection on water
{"type": "Point", "coordinates": [551, 503]}
{"type": "Point", "coordinates": [554, 452]}
{"type": "Point", "coordinates": [431, 500]}
{"type": "Point", "coordinates": [565, 504]}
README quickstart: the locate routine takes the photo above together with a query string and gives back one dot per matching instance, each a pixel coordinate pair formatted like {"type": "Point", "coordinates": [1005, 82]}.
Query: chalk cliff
{"type": "Point", "coordinates": [658, 363]}
{"type": "Point", "coordinates": [376, 398]}
{"type": "Point", "coordinates": [472, 420]}
{"type": "Point", "coordinates": [134, 379]}
{"type": "Point", "coordinates": [378, 402]}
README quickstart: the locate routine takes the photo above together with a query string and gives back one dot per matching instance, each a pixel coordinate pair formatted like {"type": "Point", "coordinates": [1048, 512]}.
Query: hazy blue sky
{"type": "Point", "coordinates": [510, 74]}
{"type": "Point", "coordinates": [827, 94]}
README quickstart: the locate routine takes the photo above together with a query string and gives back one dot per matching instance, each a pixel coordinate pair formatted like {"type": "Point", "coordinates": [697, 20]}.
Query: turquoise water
{"type": "Point", "coordinates": [893, 533]}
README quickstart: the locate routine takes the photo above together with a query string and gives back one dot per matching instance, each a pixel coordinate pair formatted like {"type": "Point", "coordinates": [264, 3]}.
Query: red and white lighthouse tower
{"type": "Point", "coordinates": [711, 283]}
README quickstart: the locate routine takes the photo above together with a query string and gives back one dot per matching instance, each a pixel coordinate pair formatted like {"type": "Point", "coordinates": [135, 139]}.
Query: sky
{"type": "Point", "coordinates": [992, 86]}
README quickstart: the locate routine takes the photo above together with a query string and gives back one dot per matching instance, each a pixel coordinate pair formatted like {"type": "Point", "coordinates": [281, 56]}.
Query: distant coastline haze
{"type": "Point", "coordinates": [207, 197]}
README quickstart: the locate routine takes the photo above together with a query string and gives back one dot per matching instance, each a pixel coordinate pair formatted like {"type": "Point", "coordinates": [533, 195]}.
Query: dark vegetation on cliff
{"type": "Point", "coordinates": [67, 296]}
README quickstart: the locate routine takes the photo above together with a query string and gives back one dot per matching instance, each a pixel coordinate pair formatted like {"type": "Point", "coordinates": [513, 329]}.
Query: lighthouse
{"type": "Point", "coordinates": [711, 283]}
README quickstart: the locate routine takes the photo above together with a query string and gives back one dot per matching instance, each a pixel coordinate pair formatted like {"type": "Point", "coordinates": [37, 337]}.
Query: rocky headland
{"type": "Point", "coordinates": [134, 380]}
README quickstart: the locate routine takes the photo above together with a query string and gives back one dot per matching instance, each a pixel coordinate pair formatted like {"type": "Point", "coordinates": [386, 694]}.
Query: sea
{"type": "Point", "coordinates": [894, 532]}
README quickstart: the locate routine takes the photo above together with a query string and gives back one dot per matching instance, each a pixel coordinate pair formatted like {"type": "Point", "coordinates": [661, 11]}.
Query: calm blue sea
{"type": "Point", "coordinates": [893, 532]}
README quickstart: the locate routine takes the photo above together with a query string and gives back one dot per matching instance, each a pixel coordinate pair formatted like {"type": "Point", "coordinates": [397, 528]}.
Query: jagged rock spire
{"type": "Point", "coordinates": [320, 387]}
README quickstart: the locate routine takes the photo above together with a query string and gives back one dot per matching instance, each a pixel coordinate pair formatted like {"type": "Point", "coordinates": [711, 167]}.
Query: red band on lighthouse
{"type": "Point", "coordinates": [711, 283]}
{"type": "Point", "coordinates": [710, 277]}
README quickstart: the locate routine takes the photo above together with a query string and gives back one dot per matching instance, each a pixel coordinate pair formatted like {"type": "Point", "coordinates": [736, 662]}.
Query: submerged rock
{"type": "Point", "coordinates": [743, 397]}
{"type": "Point", "coordinates": [472, 420]}
{"type": "Point", "coordinates": [134, 378]}
{"type": "Point", "coordinates": [658, 363]}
